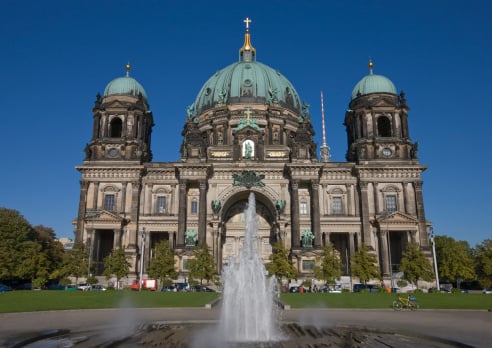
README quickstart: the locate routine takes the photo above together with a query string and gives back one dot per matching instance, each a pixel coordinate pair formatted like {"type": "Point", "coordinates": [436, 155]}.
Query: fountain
{"type": "Point", "coordinates": [248, 318]}
{"type": "Point", "coordinates": [248, 302]}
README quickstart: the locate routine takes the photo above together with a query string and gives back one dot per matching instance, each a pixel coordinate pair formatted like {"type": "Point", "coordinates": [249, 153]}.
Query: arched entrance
{"type": "Point", "coordinates": [234, 225]}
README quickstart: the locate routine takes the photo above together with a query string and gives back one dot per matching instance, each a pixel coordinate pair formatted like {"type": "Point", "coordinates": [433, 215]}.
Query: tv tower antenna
{"type": "Point", "coordinates": [324, 149]}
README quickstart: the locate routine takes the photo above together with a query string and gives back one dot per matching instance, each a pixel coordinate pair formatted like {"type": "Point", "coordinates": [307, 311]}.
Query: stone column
{"type": "Point", "coordinates": [134, 214]}
{"type": "Point", "coordinates": [171, 239]}
{"type": "Point", "coordinates": [350, 191]}
{"type": "Point", "coordinates": [376, 197]}
{"type": "Point", "coordinates": [183, 190]}
{"type": "Point", "coordinates": [315, 213]}
{"type": "Point", "coordinates": [202, 213]}
{"type": "Point", "coordinates": [383, 249]}
{"type": "Point", "coordinates": [84, 186]}
{"type": "Point", "coordinates": [351, 244]}
{"type": "Point", "coordinates": [116, 239]}
{"type": "Point", "coordinates": [95, 195]}
{"type": "Point", "coordinates": [424, 241]}
{"type": "Point", "coordinates": [295, 214]}
{"type": "Point", "coordinates": [366, 225]}
{"type": "Point", "coordinates": [123, 197]}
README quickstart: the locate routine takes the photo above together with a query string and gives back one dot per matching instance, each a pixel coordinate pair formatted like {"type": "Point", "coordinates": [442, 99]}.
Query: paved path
{"type": "Point", "coordinates": [469, 327]}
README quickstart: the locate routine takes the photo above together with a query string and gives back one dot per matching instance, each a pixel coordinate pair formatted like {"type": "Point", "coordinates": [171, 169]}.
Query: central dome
{"type": "Point", "coordinates": [247, 81]}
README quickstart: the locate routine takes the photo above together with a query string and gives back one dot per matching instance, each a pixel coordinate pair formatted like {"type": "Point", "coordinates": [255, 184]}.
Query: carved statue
{"type": "Point", "coordinates": [305, 109]}
{"type": "Point", "coordinates": [307, 238]}
{"type": "Point", "coordinates": [414, 152]}
{"type": "Point", "coordinates": [190, 109]}
{"type": "Point", "coordinates": [216, 206]}
{"type": "Point", "coordinates": [273, 95]}
{"type": "Point", "coordinates": [222, 96]}
{"type": "Point", "coordinates": [190, 238]}
{"type": "Point", "coordinates": [280, 205]}
{"type": "Point", "coordinates": [248, 150]}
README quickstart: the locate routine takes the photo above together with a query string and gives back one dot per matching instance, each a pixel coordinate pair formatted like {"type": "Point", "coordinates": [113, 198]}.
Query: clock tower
{"type": "Point", "coordinates": [122, 123]}
{"type": "Point", "coordinates": [377, 122]}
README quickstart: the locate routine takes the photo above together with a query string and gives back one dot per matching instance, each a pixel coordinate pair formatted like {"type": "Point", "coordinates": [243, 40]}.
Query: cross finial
{"type": "Point", "coordinates": [247, 21]}
{"type": "Point", "coordinates": [248, 115]}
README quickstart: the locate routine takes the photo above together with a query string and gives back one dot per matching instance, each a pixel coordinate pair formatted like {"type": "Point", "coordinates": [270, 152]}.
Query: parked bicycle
{"type": "Point", "coordinates": [409, 302]}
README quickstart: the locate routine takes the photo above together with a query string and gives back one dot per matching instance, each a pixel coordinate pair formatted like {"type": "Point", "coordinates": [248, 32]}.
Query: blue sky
{"type": "Point", "coordinates": [57, 55]}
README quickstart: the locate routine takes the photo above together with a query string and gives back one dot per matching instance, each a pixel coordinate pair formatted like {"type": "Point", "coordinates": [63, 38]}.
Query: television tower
{"type": "Point", "coordinates": [324, 149]}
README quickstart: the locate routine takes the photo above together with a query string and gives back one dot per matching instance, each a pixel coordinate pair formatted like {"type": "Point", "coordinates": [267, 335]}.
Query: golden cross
{"type": "Point", "coordinates": [247, 21]}
{"type": "Point", "coordinates": [248, 114]}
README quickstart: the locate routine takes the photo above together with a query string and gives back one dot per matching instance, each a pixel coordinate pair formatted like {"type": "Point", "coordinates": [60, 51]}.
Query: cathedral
{"type": "Point", "coordinates": [249, 131]}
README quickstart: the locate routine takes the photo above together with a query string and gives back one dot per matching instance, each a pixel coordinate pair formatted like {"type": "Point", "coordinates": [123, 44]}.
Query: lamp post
{"type": "Point", "coordinates": [142, 259]}
{"type": "Point", "coordinates": [430, 230]}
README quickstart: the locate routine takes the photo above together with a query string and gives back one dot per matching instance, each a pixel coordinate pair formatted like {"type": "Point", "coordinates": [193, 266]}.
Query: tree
{"type": "Point", "coordinates": [483, 262]}
{"type": "Point", "coordinates": [415, 266]}
{"type": "Point", "coordinates": [281, 266]}
{"type": "Point", "coordinates": [162, 265]}
{"type": "Point", "coordinates": [202, 266]}
{"type": "Point", "coordinates": [75, 262]}
{"type": "Point", "coordinates": [454, 259]}
{"type": "Point", "coordinates": [14, 232]}
{"type": "Point", "coordinates": [330, 265]}
{"type": "Point", "coordinates": [364, 265]}
{"type": "Point", "coordinates": [52, 249]}
{"type": "Point", "coordinates": [117, 265]}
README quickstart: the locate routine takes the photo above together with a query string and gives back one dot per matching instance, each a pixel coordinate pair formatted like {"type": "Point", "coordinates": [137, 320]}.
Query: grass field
{"type": "Point", "coordinates": [385, 300]}
{"type": "Point", "coordinates": [29, 301]}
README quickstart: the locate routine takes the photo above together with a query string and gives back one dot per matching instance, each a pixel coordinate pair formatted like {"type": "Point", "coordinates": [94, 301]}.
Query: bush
{"type": "Point", "coordinates": [91, 280]}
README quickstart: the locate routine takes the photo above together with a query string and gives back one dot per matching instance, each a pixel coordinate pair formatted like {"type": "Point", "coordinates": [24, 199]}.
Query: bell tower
{"type": "Point", "coordinates": [122, 123]}
{"type": "Point", "coordinates": [377, 122]}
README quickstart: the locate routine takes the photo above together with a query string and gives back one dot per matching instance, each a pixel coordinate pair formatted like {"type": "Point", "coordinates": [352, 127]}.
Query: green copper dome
{"type": "Point", "coordinates": [125, 85]}
{"type": "Point", "coordinates": [373, 83]}
{"type": "Point", "coordinates": [246, 81]}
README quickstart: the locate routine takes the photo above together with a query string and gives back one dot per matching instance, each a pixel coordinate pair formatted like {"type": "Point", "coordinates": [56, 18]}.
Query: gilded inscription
{"type": "Point", "coordinates": [219, 154]}
{"type": "Point", "coordinates": [275, 154]}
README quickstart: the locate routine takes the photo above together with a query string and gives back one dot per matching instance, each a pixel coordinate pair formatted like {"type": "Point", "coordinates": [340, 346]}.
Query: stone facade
{"type": "Point", "coordinates": [250, 143]}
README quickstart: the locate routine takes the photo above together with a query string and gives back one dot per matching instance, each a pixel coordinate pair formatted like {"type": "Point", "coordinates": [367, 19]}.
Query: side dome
{"type": "Point", "coordinates": [373, 83]}
{"type": "Point", "coordinates": [125, 85]}
{"type": "Point", "coordinates": [247, 81]}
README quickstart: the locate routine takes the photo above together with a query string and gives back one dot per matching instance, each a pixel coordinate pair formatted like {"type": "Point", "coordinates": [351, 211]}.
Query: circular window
{"type": "Point", "coordinates": [248, 82]}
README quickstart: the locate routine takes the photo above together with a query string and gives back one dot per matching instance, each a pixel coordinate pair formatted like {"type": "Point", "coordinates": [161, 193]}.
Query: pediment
{"type": "Point", "coordinates": [248, 130]}
{"type": "Point", "coordinates": [107, 216]}
{"type": "Point", "coordinates": [116, 104]}
{"type": "Point", "coordinates": [398, 218]}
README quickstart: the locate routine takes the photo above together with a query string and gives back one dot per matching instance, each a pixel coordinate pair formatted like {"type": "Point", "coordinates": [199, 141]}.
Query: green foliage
{"type": "Point", "coordinates": [75, 262]}
{"type": "Point", "coordinates": [415, 266]}
{"type": "Point", "coordinates": [162, 265]}
{"type": "Point", "coordinates": [329, 266]}
{"type": "Point", "coordinates": [483, 258]}
{"type": "Point", "coordinates": [281, 266]}
{"type": "Point", "coordinates": [454, 259]}
{"type": "Point", "coordinates": [402, 283]}
{"type": "Point", "coordinates": [116, 264]}
{"type": "Point", "coordinates": [203, 265]}
{"type": "Point", "coordinates": [15, 231]}
{"type": "Point", "coordinates": [364, 265]}
{"type": "Point", "coordinates": [91, 280]}
{"type": "Point", "coordinates": [27, 252]}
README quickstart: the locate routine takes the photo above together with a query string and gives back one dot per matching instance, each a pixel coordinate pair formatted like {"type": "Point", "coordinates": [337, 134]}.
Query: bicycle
{"type": "Point", "coordinates": [409, 302]}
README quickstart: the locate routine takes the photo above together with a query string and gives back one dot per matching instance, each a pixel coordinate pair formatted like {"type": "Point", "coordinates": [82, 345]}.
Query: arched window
{"type": "Point", "coordinates": [115, 128]}
{"type": "Point", "coordinates": [384, 126]}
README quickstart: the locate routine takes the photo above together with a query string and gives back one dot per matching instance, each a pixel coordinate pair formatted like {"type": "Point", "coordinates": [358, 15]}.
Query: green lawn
{"type": "Point", "coordinates": [28, 301]}
{"type": "Point", "coordinates": [385, 300]}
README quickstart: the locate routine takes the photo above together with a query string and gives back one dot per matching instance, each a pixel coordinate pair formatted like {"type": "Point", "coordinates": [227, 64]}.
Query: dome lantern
{"type": "Point", "coordinates": [373, 83]}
